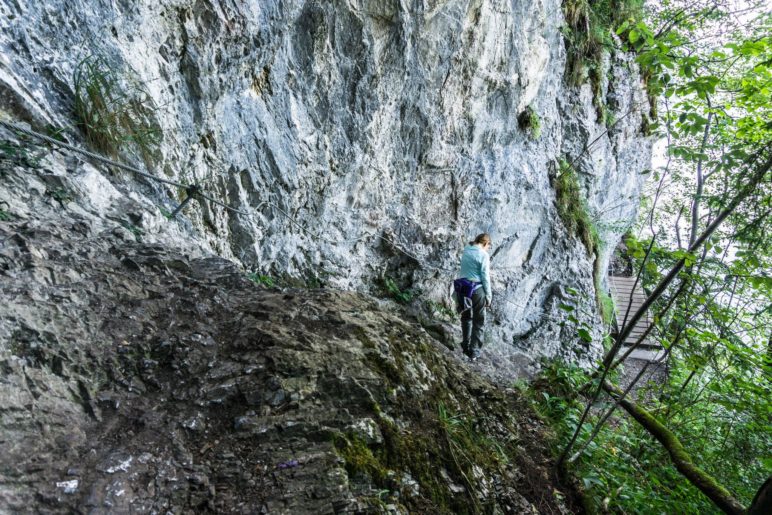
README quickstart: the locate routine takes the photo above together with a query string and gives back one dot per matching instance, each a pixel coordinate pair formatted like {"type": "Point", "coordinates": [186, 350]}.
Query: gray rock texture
{"type": "Point", "coordinates": [143, 377]}
{"type": "Point", "coordinates": [363, 138]}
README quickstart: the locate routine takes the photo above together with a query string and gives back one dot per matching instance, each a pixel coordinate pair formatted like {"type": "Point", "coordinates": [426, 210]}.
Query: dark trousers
{"type": "Point", "coordinates": [472, 321]}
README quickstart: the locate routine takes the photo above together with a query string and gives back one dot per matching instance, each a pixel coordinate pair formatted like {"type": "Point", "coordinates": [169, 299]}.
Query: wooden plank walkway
{"type": "Point", "coordinates": [626, 296]}
{"type": "Point", "coordinates": [650, 351]}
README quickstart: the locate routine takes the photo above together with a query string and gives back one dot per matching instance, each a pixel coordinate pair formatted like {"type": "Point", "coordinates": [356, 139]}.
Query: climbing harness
{"type": "Point", "coordinates": [464, 289]}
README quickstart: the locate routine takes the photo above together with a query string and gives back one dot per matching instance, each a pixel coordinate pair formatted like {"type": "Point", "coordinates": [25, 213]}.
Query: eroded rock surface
{"type": "Point", "coordinates": [143, 377]}
{"type": "Point", "coordinates": [387, 130]}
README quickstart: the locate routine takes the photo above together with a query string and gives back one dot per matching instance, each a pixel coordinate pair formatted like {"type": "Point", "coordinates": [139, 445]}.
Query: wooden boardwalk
{"type": "Point", "coordinates": [625, 296]}
{"type": "Point", "coordinates": [649, 352]}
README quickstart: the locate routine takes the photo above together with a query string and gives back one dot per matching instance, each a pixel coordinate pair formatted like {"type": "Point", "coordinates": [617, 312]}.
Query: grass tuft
{"type": "Point", "coordinates": [587, 33]}
{"type": "Point", "coordinates": [114, 110]}
{"type": "Point", "coordinates": [261, 280]}
{"type": "Point", "coordinates": [572, 208]}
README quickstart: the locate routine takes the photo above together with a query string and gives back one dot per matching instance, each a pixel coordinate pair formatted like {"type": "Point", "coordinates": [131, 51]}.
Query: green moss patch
{"type": "Point", "coordinates": [572, 208]}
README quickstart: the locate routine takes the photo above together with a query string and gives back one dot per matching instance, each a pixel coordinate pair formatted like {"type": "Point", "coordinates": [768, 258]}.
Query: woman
{"type": "Point", "coordinates": [473, 293]}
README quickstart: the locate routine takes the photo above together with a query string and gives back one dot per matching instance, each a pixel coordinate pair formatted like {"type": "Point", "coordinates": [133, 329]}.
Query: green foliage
{"type": "Point", "coordinates": [5, 216]}
{"type": "Point", "coordinates": [583, 329]}
{"type": "Point", "coordinates": [623, 470]}
{"type": "Point", "coordinates": [165, 212]}
{"type": "Point", "coordinates": [529, 121]}
{"type": "Point", "coordinates": [60, 195]}
{"type": "Point", "coordinates": [468, 447]}
{"type": "Point", "coordinates": [114, 110]}
{"type": "Point", "coordinates": [56, 133]}
{"type": "Point", "coordinates": [440, 310]}
{"type": "Point", "coordinates": [394, 291]}
{"type": "Point", "coordinates": [359, 459]}
{"type": "Point", "coordinates": [607, 307]}
{"type": "Point", "coordinates": [711, 69]}
{"type": "Point", "coordinates": [265, 281]}
{"type": "Point", "coordinates": [572, 208]}
{"type": "Point", "coordinates": [588, 30]}
{"type": "Point", "coordinates": [18, 154]}
{"type": "Point", "coordinates": [554, 392]}
{"type": "Point", "coordinates": [717, 396]}
{"type": "Point", "coordinates": [467, 443]}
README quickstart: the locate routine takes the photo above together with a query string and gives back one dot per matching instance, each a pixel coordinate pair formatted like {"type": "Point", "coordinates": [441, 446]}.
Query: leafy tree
{"type": "Point", "coordinates": [704, 255]}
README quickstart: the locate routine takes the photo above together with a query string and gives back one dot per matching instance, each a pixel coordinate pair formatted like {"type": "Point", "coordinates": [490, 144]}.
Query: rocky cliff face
{"type": "Point", "coordinates": [141, 377]}
{"type": "Point", "coordinates": [359, 140]}
{"type": "Point", "coordinates": [363, 138]}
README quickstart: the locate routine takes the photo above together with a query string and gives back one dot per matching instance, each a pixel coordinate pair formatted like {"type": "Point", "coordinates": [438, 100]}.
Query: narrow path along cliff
{"type": "Point", "coordinates": [143, 377]}
{"type": "Point", "coordinates": [231, 359]}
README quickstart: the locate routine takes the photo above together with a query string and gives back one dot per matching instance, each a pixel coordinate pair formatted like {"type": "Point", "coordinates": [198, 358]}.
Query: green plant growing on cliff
{"type": "Point", "coordinates": [574, 300]}
{"type": "Point", "coordinates": [114, 110]}
{"type": "Point", "coordinates": [529, 121]}
{"type": "Point", "coordinates": [18, 154]}
{"type": "Point", "coordinates": [396, 293]}
{"type": "Point", "coordinates": [572, 207]}
{"type": "Point", "coordinates": [466, 444]}
{"type": "Point", "coordinates": [165, 213]}
{"type": "Point", "coordinates": [5, 215]}
{"type": "Point", "coordinates": [440, 310]}
{"type": "Point", "coordinates": [588, 32]}
{"type": "Point", "coordinates": [60, 195]}
{"type": "Point", "coordinates": [261, 280]}
{"type": "Point", "coordinates": [359, 458]}
{"type": "Point", "coordinates": [135, 230]}
{"type": "Point", "coordinates": [607, 307]}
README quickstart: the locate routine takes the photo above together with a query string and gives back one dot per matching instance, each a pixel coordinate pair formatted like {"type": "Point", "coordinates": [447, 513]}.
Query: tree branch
{"type": "Point", "coordinates": [681, 459]}
{"type": "Point", "coordinates": [749, 187]}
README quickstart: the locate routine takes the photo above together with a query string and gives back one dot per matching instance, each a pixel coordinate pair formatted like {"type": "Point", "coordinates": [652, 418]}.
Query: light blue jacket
{"type": "Point", "coordinates": [475, 266]}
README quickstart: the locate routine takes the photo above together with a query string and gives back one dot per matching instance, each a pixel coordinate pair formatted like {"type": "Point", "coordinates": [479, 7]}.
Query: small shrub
{"type": "Point", "coordinates": [261, 280]}
{"type": "Point", "coordinates": [440, 310]}
{"type": "Point", "coordinates": [529, 121]}
{"type": "Point", "coordinates": [393, 291]}
{"type": "Point", "coordinates": [588, 32]}
{"type": "Point", "coordinates": [5, 216]}
{"type": "Point", "coordinates": [572, 208]}
{"type": "Point", "coordinates": [114, 110]}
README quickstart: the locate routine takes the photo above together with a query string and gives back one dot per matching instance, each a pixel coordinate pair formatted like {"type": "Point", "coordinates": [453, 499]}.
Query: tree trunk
{"type": "Point", "coordinates": [748, 188]}
{"type": "Point", "coordinates": [681, 459]}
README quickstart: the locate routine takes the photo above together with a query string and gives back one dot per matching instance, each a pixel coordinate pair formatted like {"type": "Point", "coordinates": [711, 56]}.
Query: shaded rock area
{"type": "Point", "coordinates": [144, 377]}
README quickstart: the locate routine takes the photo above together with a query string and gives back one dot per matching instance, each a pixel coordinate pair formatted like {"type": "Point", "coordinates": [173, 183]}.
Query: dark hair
{"type": "Point", "coordinates": [481, 239]}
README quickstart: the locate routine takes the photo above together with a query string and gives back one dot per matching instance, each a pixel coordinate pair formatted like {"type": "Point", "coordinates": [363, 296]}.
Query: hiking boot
{"type": "Point", "coordinates": [475, 355]}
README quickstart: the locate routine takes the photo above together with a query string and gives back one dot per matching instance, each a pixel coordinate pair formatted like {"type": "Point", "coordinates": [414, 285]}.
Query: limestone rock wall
{"type": "Point", "coordinates": [141, 377]}
{"type": "Point", "coordinates": [364, 138]}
